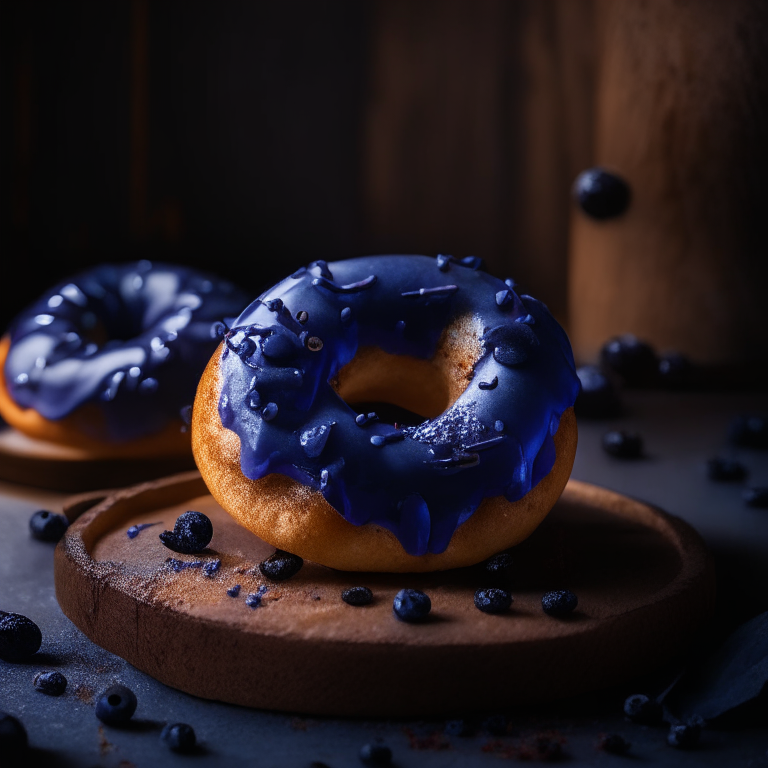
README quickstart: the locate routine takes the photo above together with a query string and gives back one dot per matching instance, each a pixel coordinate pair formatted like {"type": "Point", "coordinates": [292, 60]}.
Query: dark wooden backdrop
{"type": "Point", "coordinates": [250, 137]}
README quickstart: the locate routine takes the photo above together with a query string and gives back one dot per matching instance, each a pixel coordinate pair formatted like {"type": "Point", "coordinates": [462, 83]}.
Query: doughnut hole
{"type": "Point", "coordinates": [407, 389]}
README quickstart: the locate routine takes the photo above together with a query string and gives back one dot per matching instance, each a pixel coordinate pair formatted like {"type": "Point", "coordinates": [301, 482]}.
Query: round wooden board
{"type": "Point", "coordinates": [27, 461]}
{"type": "Point", "coordinates": [643, 578]}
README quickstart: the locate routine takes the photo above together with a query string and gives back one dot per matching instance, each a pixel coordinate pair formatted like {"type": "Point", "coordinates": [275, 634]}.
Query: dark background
{"type": "Point", "coordinates": [249, 138]}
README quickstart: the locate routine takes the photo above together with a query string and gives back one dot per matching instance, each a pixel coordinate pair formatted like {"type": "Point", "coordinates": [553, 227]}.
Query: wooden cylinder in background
{"type": "Point", "coordinates": [682, 114]}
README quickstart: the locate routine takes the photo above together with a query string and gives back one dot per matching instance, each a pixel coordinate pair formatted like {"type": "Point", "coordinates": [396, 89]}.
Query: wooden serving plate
{"type": "Point", "coordinates": [41, 464]}
{"type": "Point", "coordinates": [643, 578]}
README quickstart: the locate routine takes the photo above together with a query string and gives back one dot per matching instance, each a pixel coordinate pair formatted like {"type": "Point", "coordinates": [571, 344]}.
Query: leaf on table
{"type": "Point", "coordinates": [732, 676]}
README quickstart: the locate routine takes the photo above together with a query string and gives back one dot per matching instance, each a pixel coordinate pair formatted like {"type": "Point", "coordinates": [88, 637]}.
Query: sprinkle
{"type": "Point", "coordinates": [313, 440]}
{"type": "Point", "coordinates": [443, 262]}
{"type": "Point", "coordinates": [211, 567]}
{"type": "Point", "coordinates": [528, 320]}
{"type": "Point", "coordinates": [504, 299]}
{"type": "Point", "coordinates": [148, 386]}
{"type": "Point", "coordinates": [269, 412]}
{"type": "Point", "coordinates": [471, 262]}
{"type": "Point", "coordinates": [485, 444]}
{"type": "Point", "coordinates": [393, 437]}
{"type": "Point", "coordinates": [135, 530]}
{"type": "Point", "coordinates": [254, 599]}
{"type": "Point", "coordinates": [362, 419]}
{"type": "Point", "coordinates": [498, 425]}
{"type": "Point", "coordinates": [234, 591]}
{"type": "Point", "coordinates": [492, 384]}
{"type": "Point", "coordinates": [274, 305]}
{"type": "Point", "coordinates": [324, 477]}
{"type": "Point", "coordinates": [180, 565]}
{"type": "Point", "coordinates": [462, 461]}
{"type": "Point", "coordinates": [254, 400]}
{"type": "Point", "coordinates": [361, 285]}
{"type": "Point", "coordinates": [44, 319]}
{"type": "Point", "coordinates": [346, 315]}
{"type": "Point", "coordinates": [323, 267]}
{"type": "Point", "coordinates": [437, 292]}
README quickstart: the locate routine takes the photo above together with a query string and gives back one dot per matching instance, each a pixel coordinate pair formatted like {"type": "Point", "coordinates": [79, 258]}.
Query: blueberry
{"type": "Point", "coordinates": [492, 600]}
{"type": "Point", "coordinates": [601, 194]}
{"type": "Point", "coordinates": [684, 735]}
{"type": "Point", "coordinates": [632, 360]}
{"type": "Point", "coordinates": [615, 744]}
{"type": "Point", "coordinates": [676, 371]}
{"type": "Point", "coordinates": [623, 445]}
{"type": "Point", "coordinates": [598, 397]}
{"type": "Point", "coordinates": [116, 705]}
{"type": "Point", "coordinates": [411, 605]}
{"type": "Point", "coordinates": [559, 603]}
{"type": "Point", "coordinates": [47, 526]}
{"type": "Point", "coordinates": [281, 566]}
{"type": "Point", "coordinates": [52, 683]}
{"type": "Point", "coordinates": [13, 736]}
{"type": "Point", "coordinates": [640, 709]}
{"type": "Point", "coordinates": [191, 533]}
{"type": "Point", "coordinates": [725, 470]}
{"type": "Point", "coordinates": [357, 596]}
{"type": "Point", "coordinates": [376, 754]}
{"type": "Point", "coordinates": [749, 431]}
{"type": "Point", "coordinates": [20, 637]}
{"type": "Point", "coordinates": [179, 737]}
{"type": "Point", "coordinates": [756, 497]}
{"type": "Point", "coordinates": [499, 566]}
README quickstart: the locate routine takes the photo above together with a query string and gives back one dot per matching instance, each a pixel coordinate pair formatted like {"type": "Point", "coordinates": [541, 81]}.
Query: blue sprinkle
{"type": "Point", "coordinates": [346, 315]}
{"type": "Point", "coordinates": [234, 591]}
{"type": "Point", "coordinates": [528, 320]}
{"type": "Point", "coordinates": [254, 599]}
{"type": "Point", "coordinates": [443, 262]}
{"type": "Point", "coordinates": [471, 262]}
{"type": "Point", "coordinates": [485, 444]}
{"type": "Point", "coordinates": [394, 437]}
{"type": "Point", "coordinates": [362, 419]}
{"type": "Point", "coordinates": [181, 565]}
{"type": "Point", "coordinates": [148, 385]}
{"type": "Point", "coordinates": [135, 530]}
{"type": "Point", "coordinates": [492, 384]}
{"type": "Point", "coordinates": [211, 567]}
{"type": "Point", "coordinates": [274, 305]}
{"type": "Point", "coordinates": [438, 291]}
{"type": "Point", "coordinates": [269, 412]}
{"type": "Point", "coordinates": [254, 399]}
{"type": "Point", "coordinates": [313, 440]}
{"type": "Point", "coordinates": [324, 477]}
{"type": "Point", "coordinates": [360, 285]}
{"type": "Point", "coordinates": [400, 326]}
{"type": "Point", "coordinates": [499, 425]}
{"type": "Point", "coordinates": [504, 299]}
{"type": "Point", "coordinates": [510, 283]}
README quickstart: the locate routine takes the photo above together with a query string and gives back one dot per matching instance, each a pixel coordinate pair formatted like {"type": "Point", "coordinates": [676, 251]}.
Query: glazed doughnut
{"type": "Point", "coordinates": [489, 373]}
{"type": "Point", "coordinates": [106, 360]}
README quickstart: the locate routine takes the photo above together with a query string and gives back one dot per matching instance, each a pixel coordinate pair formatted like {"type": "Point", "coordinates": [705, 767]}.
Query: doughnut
{"type": "Point", "coordinates": [287, 445]}
{"type": "Point", "coordinates": [106, 360]}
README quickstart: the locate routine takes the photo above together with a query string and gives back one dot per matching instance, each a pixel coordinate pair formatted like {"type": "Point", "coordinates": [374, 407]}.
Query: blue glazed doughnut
{"type": "Point", "coordinates": [287, 365]}
{"type": "Point", "coordinates": [114, 353]}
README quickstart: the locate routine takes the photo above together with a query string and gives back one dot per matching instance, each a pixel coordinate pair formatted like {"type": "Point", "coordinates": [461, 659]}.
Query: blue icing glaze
{"type": "Point", "coordinates": [132, 338]}
{"type": "Point", "coordinates": [420, 482]}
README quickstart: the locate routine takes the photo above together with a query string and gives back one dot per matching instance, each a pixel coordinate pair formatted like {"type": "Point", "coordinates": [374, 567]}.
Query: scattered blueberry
{"type": "Point", "coordinates": [493, 600]}
{"type": "Point", "coordinates": [632, 360]}
{"type": "Point", "coordinates": [135, 530]}
{"type": "Point", "coordinates": [684, 735]}
{"type": "Point", "coordinates": [411, 605]}
{"type": "Point", "coordinates": [20, 637]}
{"type": "Point", "coordinates": [52, 683]}
{"type": "Point", "coordinates": [462, 728]}
{"type": "Point", "coordinates": [281, 566]}
{"type": "Point", "coordinates": [13, 736]}
{"type": "Point", "coordinates": [623, 445]}
{"type": "Point", "coordinates": [749, 431]}
{"type": "Point", "coordinates": [116, 705]}
{"type": "Point", "coordinates": [211, 568]}
{"type": "Point", "coordinates": [357, 596]}
{"type": "Point", "coordinates": [499, 566]}
{"type": "Point", "coordinates": [179, 737]}
{"type": "Point", "coordinates": [641, 709]}
{"type": "Point", "coordinates": [598, 397]}
{"type": "Point", "coordinates": [191, 533]}
{"type": "Point", "coordinates": [234, 591]}
{"type": "Point", "coordinates": [676, 371]}
{"type": "Point", "coordinates": [559, 603]}
{"type": "Point", "coordinates": [376, 754]}
{"type": "Point", "coordinates": [615, 744]}
{"type": "Point", "coordinates": [601, 194]}
{"type": "Point", "coordinates": [756, 497]}
{"type": "Point", "coordinates": [47, 526]}
{"type": "Point", "coordinates": [725, 470]}
{"type": "Point", "coordinates": [496, 725]}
